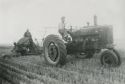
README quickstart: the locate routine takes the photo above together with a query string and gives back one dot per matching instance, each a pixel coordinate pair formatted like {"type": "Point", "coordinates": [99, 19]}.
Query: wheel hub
{"type": "Point", "coordinates": [108, 60]}
{"type": "Point", "coordinates": [53, 51]}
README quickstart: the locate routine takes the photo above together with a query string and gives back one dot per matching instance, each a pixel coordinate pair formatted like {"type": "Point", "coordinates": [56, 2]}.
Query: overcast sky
{"type": "Point", "coordinates": [44, 15]}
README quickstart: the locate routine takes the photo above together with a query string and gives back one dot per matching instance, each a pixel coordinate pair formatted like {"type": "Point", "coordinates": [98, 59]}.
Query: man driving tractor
{"type": "Point", "coordinates": [63, 31]}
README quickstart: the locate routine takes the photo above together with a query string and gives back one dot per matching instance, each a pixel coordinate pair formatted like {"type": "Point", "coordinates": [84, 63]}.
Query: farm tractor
{"type": "Point", "coordinates": [84, 41]}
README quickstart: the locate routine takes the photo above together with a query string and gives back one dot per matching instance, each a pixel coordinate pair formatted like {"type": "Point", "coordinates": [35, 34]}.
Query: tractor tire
{"type": "Point", "coordinates": [109, 58]}
{"type": "Point", "coordinates": [118, 55]}
{"type": "Point", "coordinates": [54, 50]}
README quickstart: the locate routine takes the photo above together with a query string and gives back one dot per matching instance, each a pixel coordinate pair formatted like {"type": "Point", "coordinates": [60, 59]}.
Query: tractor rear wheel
{"type": "Point", "coordinates": [109, 58]}
{"type": "Point", "coordinates": [54, 50]}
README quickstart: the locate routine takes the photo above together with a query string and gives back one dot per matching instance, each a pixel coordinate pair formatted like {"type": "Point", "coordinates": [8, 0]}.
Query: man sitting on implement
{"type": "Point", "coordinates": [25, 44]}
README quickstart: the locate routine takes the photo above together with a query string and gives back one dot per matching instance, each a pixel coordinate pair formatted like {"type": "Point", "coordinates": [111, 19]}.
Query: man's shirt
{"type": "Point", "coordinates": [61, 25]}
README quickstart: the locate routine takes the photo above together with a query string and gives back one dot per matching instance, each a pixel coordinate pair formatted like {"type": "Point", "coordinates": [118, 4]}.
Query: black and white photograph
{"type": "Point", "coordinates": [62, 42]}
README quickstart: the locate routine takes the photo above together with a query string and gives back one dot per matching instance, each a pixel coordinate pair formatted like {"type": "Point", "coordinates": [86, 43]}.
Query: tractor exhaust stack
{"type": "Point", "coordinates": [95, 20]}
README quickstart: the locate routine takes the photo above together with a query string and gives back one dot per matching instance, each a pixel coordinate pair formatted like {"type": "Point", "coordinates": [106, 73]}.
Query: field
{"type": "Point", "coordinates": [33, 70]}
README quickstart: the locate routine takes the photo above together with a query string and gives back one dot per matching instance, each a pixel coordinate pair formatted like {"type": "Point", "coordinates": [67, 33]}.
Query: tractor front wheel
{"type": "Point", "coordinates": [110, 58]}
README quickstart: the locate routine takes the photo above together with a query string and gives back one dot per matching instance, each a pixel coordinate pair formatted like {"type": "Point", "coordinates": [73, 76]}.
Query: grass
{"type": "Point", "coordinates": [76, 71]}
{"type": "Point", "coordinates": [2, 81]}
{"type": "Point", "coordinates": [5, 50]}
{"type": "Point", "coordinates": [16, 75]}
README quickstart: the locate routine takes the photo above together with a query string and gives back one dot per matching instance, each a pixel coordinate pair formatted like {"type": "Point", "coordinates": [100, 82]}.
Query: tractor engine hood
{"type": "Point", "coordinates": [91, 30]}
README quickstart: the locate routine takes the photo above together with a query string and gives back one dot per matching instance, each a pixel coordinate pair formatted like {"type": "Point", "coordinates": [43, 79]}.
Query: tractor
{"type": "Point", "coordinates": [84, 41]}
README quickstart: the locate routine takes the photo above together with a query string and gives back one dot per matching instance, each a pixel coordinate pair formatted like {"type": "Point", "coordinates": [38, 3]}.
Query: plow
{"type": "Point", "coordinates": [25, 46]}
